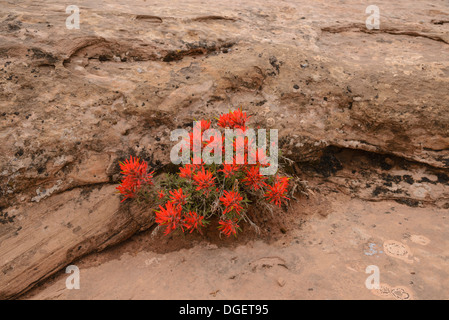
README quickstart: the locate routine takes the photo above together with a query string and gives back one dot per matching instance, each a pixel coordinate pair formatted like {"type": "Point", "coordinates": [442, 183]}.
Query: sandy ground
{"type": "Point", "coordinates": [323, 251]}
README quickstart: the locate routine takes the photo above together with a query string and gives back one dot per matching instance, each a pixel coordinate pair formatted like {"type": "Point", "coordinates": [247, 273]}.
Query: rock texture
{"type": "Point", "coordinates": [75, 102]}
{"type": "Point", "coordinates": [41, 239]}
{"type": "Point", "coordinates": [318, 258]}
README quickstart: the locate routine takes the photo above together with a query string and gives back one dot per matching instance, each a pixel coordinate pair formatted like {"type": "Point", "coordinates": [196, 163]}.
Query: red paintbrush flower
{"type": "Point", "coordinates": [136, 169]}
{"type": "Point", "coordinates": [189, 170]}
{"type": "Point", "coordinates": [231, 200]}
{"type": "Point", "coordinates": [278, 192]}
{"type": "Point", "coordinates": [203, 125]}
{"type": "Point", "coordinates": [161, 194]}
{"type": "Point", "coordinates": [193, 221]}
{"type": "Point", "coordinates": [177, 197]}
{"type": "Point", "coordinates": [282, 180]}
{"type": "Point", "coordinates": [235, 120]}
{"type": "Point", "coordinates": [225, 121]}
{"type": "Point", "coordinates": [129, 187]}
{"type": "Point", "coordinates": [169, 216]}
{"type": "Point", "coordinates": [228, 227]}
{"type": "Point", "coordinates": [254, 179]}
{"type": "Point", "coordinates": [229, 170]}
{"type": "Point", "coordinates": [136, 175]}
{"type": "Point", "coordinates": [204, 180]}
{"type": "Point", "coordinates": [238, 119]}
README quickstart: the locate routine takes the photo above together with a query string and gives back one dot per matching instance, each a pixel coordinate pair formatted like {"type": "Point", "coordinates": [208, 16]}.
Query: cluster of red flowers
{"type": "Point", "coordinates": [204, 180]}
{"type": "Point", "coordinates": [254, 179]}
{"type": "Point", "coordinates": [208, 189]}
{"type": "Point", "coordinates": [231, 201]}
{"type": "Point", "coordinates": [135, 176]}
{"type": "Point", "coordinates": [234, 120]}
{"type": "Point", "coordinates": [172, 215]}
{"type": "Point", "coordinates": [228, 227]}
{"type": "Point", "coordinates": [278, 192]}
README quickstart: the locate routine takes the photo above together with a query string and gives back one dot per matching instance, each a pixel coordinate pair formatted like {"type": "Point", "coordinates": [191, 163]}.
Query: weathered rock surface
{"type": "Point", "coordinates": [74, 102]}
{"type": "Point", "coordinates": [318, 258]}
{"type": "Point", "coordinates": [42, 238]}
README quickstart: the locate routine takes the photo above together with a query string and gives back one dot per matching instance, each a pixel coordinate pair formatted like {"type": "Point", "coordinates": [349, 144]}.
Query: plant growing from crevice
{"type": "Point", "coordinates": [188, 200]}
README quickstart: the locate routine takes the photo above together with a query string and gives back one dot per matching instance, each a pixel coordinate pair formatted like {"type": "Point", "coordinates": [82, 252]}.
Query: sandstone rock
{"type": "Point", "coordinates": [41, 239]}
{"type": "Point", "coordinates": [75, 102]}
{"type": "Point", "coordinates": [65, 93]}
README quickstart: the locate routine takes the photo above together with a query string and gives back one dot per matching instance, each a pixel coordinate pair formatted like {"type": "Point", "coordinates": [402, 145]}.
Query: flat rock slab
{"type": "Point", "coordinates": [42, 239]}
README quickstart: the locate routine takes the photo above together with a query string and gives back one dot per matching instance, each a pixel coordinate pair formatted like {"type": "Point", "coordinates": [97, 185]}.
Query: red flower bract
{"type": "Point", "coordinates": [225, 121]}
{"type": "Point", "coordinates": [204, 180]}
{"type": "Point", "coordinates": [128, 188]}
{"type": "Point", "coordinates": [187, 171]}
{"type": "Point", "coordinates": [177, 197]}
{"type": "Point", "coordinates": [278, 192]}
{"type": "Point", "coordinates": [203, 125]}
{"type": "Point", "coordinates": [282, 180]}
{"type": "Point", "coordinates": [228, 227]}
{"type": "Point", "coordinates": [254, 179]}
{"type": "Point", "coordinates": [229, 170]}
{"type": "Point", "coordinates": [235, 119]}
{"type": "Point", "coordinates": [169, 216]}
{"type": "Point", "coordinates": [231, 200]}
{"type": "Point", "coordinates": [238, 119]}
{"type": "Point", "coordinates": [136, 175]}
{"type": "Point", "coordinates": [193, 221]}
